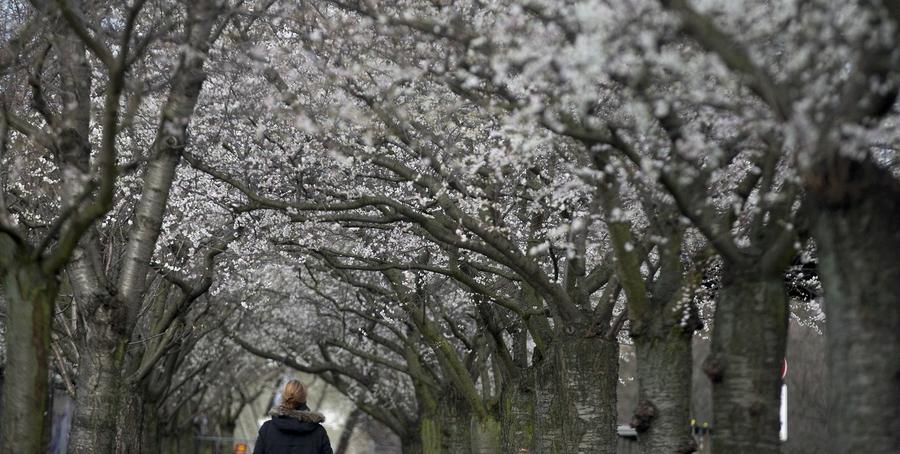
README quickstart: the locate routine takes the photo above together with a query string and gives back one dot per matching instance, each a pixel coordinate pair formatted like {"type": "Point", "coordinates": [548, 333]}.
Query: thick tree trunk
{"type": "Point", "coordinates": [575, 404]}
{"type": "Point", "coordinates": [169, 444]}
{"type": "Point", "coordinates": [748, 347]}
{"type": "Point", "coordinates": [137, 431]}
{"type": "Point", "coordinates": [517, 414]}
{"type": "Point", "coordinates": [411, 444]}
{"type": "Point", "coordinates": [430, 436]}
{"type": "Point", "coordinates": [857, 232]}
{"type": "Point", "coordinates": [30, 295]}
{"type": "Point", "coordinates": [428, 431]}
{"type": "Point", "coordinates": [455, 424]}
{"type": "Point", "coordinates": [131, 421]}
{"type": "Point", "coordinates": [151, 442]}
{"type": "Point", "coordinates": [177, 443]}
{"type": "Point", "coordinates": [485, 436]}
{"type": "Point", "coordinates": [99, 405]}
{"type": "Point", "coordinates": [98, 387]}
{"type": "Point", "coordinates": [664, 392]}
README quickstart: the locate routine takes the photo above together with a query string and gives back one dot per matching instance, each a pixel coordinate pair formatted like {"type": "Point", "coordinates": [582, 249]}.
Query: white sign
{"type": "Point", "coordinates": [782, 434]}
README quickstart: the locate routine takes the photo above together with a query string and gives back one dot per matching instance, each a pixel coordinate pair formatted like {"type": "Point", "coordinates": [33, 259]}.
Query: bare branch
{"type": "Point", "coordinates": [76, 23]}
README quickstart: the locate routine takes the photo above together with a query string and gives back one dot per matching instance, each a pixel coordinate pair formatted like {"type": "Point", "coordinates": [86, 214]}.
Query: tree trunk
{"type": "Point", "coordinates": [575, 404]}
{"type": "Point", "coordinates": [454, 424]}
{"type": "Point", "coordinates": [30, 296]}
{"type": "Point", "coordinates": [430, 435]}
{"type": "Point", "coordinates": [151, 443]}
{"type": "Point", "coordinates": [171, 140]}
{"type": "Point", "coordinates": [178, 442]}
{"type": "Point", "coordinates": [169, 444]}
{"type": "Point", "coordinates": [226, 430]}
{"type": "Point", "coordinates": [748, 346]}
{"type": "Point", "coordinates": [98, 386]}
{"type": "Point", "coordinates": [411, 444]}
{"type": "Point", "coordinates": [344, 442]}
{"type": "Point", "coordinates": [664, 392]}
{"type": "Point", "coordinates": [131, 421]}
{"type": "Point", "coordinates": [857, 232]}
{"type": "Point", "coordinates": [485, 436]}
{"type": "Point", "coordinates": [138, 424]}
{"type": "Point", "coordinates": [517, 414]}
{"type": "Point", "coordinates": [428, 432]}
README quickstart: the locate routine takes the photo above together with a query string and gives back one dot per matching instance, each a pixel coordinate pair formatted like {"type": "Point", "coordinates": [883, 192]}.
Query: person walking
{"type": "Point", "coordinates": [294, 428]}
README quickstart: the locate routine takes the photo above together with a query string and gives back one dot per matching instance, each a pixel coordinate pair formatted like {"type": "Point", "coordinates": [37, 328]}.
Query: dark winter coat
{"type": "Point", "coordinates": [293, 432]}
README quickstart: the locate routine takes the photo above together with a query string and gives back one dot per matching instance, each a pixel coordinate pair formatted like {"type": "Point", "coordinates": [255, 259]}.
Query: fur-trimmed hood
{"type": "Point", "coordinates": [302, 414]}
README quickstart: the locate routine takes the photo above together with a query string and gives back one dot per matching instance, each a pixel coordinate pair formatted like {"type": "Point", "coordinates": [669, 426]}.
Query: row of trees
{"type": "Point", "coordinates": [96, 107]}
{"type": "Point", "coordinates": [452, 213]}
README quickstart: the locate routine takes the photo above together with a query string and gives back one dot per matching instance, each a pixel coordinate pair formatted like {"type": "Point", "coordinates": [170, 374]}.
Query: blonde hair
{"type": "Point", "coordinates": [294, 394]}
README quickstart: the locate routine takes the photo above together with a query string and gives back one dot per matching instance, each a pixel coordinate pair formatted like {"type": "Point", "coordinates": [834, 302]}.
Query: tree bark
{"type": "Point", "coordinates": [30, 296]}
{"type": "Point", "coordinates": [428, 428]}
{"type": "Point", "coordinates": [575, 404]}
{"type": "Point", "coordinates": [485, 435]}
{"type": "Point", "coordinates": [857, 233]}
{"type": "Point", "coordinates": [430, 436]}
{"type": "Point", "coordinates": [517, 414]}
{"type": "Point", "coordinates": [131, 419]}
{"type": "Point", "coordinates": [138, 429]}
{"type": "Point", "coordinates": [454, 424]}
{"type": "Point", "coordinates": [411, 444]}
{"type": "Point", "coordinates": [664, 392]}
{"type": "Point", "coordinates": [179, 442]}
{"type": "Point", "coordinates": [748, 347]}
{"type": "Point", "coordinates": [151, 442]}
{"type": "Point", "coordinates": [98, 384]}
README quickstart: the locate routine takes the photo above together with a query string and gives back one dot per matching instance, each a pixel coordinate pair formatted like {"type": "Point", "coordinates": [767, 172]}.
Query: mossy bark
{"type": "Point", "coordinates": [485, 435]}
{"type": "Point", "coordinates": [517, 414]}
{"type": "Point", "coordinates": [411, 444]}
{"type": "Point", "coordinates": [430, 435]}
{"type": "Point", "coordinates": [454, 423]}
{"type": "Point", "coordinates": [30, 296]}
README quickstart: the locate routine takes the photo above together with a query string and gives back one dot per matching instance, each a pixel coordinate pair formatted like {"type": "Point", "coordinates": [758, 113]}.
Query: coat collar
{"type": "Point", "coordinates": [298, 414]}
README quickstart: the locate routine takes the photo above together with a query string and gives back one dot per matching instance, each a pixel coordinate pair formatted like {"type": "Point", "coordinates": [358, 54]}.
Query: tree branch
{"type": "Point", "coordinates": [703, 30]}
